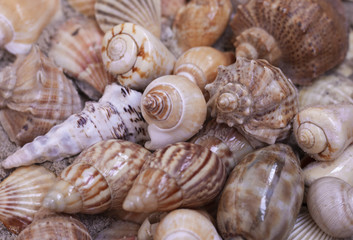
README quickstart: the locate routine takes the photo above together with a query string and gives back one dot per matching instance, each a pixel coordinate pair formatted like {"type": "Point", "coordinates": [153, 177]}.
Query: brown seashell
{"type": "Point", "coordinates": [119, 230]}
{"type": "Point", "coordinates": [86, 7]}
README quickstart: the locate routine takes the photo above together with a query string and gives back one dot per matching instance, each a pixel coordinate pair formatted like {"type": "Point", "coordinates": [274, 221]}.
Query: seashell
{"type": "Point", "coordinates": [294, 35]}
{"type": "Point", "coordinates": [35, 95]}
{"type": "Point", "coordinates": [329, 202]}
{"type": "Point", "coordinates": [254, 97]}
{"type": "Point", "coordinates": [324, 131]}
{"type": "Point", "coordinates": [115, 116]}
{"type": "Point", "coordinates": [146, 13]}
{"type": "Point", "coordinates": [174, 109]}
{"type": "Point", "coordinates": [22, 22]}
{"type": "Point", "coordinates": [121, 214]}
{"type": "Point", "coordinates": [21, 195]}
{"type": "Point", "coordinates": [119, 230]}
{"type": "Point", "coordinates": [170, 8]}
{"type": "Point", "coordinates": [135, 55]}
{"type": "Point", "coordinates": [86, 7]}
{"type": "Point", "coordinates": [147, 231]}
{"type": "Point", "coordinates": [272, 178]}
{"type": "Point", "coordinates": [186, 224]}
{"type": "Point", "coordinates": [179, 175]}
{"type": "Point", "coordinates": [76, 47]}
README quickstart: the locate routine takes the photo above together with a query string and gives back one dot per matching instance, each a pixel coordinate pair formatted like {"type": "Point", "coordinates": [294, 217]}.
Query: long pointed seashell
{"type": "Point", "coordinates": [116, 115]}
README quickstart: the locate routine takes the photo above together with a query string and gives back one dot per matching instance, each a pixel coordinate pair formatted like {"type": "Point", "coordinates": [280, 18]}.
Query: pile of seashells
{"type": "Point", "coordinates": [177, 119]}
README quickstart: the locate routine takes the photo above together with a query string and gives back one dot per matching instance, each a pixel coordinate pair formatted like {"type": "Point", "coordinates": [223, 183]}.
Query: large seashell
{"type": "Point", "coordinates": [262, 196]}
{"type": "Point", "coordinates": [171, 7]}
{"type": "Point", "coordinates": [119, 230]}
{"type": "Point", "coordinates": [179, 175]}
{"type": "Point", "coordinates": [86, 7]}
{"type": "Point", "coordinates": [76, 47]}
{"type": "Point", "coordinates": [146, 13]}
{"type": "Point", "coordinates": [135, 55]}
{"type": "Point", "coordinates": [21, 196]}
{"type": "Point", "coordinates": [22, 22]}
{"type": "Point", "coordinates": [324, 131]}
{"type": "Point", "coordinates": [304, 38]}
{"type": "Point", "coordinates": [115, 116]}
{"type": "Point", "coordinates": [254, 97]}
{"type": "Point", "coordinates": [148, 228]}
{"type": "Point", "coordinates": [174, 108]}
{"type": "Point", "coordinates": [35, 95]}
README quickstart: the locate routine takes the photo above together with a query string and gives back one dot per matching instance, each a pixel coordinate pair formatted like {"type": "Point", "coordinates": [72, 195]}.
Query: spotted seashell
{"type": "Point", "coordinates": [119, 230]}
{"type": "Point", "coordinates": [86, 7]}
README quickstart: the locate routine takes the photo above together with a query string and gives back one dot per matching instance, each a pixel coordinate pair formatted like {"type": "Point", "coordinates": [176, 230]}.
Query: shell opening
{"type": "Point", "coordinates": [311, 138]}
{"type": "Point", "coordinates": [6, 30]}
{"type": "Point", "coordinates": [227, 102]}
{"type": "Point", "coordinates": [156, 105]}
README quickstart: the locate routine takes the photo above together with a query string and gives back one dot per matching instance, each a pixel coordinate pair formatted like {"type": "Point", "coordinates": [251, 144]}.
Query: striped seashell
{"type": "Point", "coordinates": [86, 7]}
{"type": "Point", "coordinates": [119, 230]}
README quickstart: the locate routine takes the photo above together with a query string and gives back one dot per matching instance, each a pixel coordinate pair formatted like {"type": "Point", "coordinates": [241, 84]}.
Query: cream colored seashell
{"type": "Point", "coordinates": [119, 230]}
{"type": "Point", "coordinates": [21, 195]}
{"type": "Point", "coordinates": [146, 13]}
{"type": "Point", "coordinates": [115, 116]}
{"type": "Point", "coordinates": [174, 109]}
{"type": "Point", "coordinates": [324, 131]}
{"type": "Point", "coordinates": [171, 7]}
{"type": "Point", "coordinates": [121, 214]}
{"type": "Point", "coordinates": [179, 175]}
{"type": "Point", "coordinates": [147, 231]}
{"type": "Point", "coordinates": [22, 22]}
{"type": "Point", "coordinates": [35, 95]}
{"type": "Point", "coordinates": [135, 55]}
{"type": "Point", "coordinates": [329, 202]}
{"type": "Point", "coordinates": [86, 7]}
{"type": "Point", "coordinates": [76, 47]}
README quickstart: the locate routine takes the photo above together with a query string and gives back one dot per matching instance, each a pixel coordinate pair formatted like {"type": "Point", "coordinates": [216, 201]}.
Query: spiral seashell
{"type": "Point", "coordinates": [254, 97]}
{"type": "Point", "coordinates": [329, 202]}
{"type": "Point", "coordinates": [147, 231]}
{"type": "Point", "coordinates": [21, 195]}
{"type": "Point", "coordinates": [135, 55]}
{"type": "Point", "coordinates": [146, 13]}
{"type": "Point", "coordinates": [86, 7]}
{"type": "Point", "coordinates": [303, 38]}
{"type": "Point", "coordinates": [174, 109]}
{"type": "Point", "coordinates": [35, 95]}
{"type": "Point", "coordinates": [76, 47]}
{"type": "Point", "coordinates": [324, 131]}
{"type": "Point", "coordinates": [179, 175]}
{"type": "Point", "coordinates": [262, 196]}
{"type": "Point", "coordinates": [119, 230]}
{"type": "Point", "coordinates": [115, 116]}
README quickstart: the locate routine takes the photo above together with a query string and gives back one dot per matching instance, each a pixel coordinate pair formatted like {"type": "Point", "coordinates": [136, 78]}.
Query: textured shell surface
{"type": "Point", "coordinates": [35, 95]}
{"type": "Point", "coordinates": [119, 230]}
{"type": "Point", "coordinates": [179, 175]}
{"type": "Point", "coordinates": [86, 7]}
{"type": "Point", "coordinates": [272, 178]}
{"type": "Point", "coordinates": [22, 194]}
{"type": "Point", "coordinates": [254, 97]}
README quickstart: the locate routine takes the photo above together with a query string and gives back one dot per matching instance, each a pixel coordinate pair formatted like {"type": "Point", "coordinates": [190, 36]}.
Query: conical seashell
{"type": "Point", "coordinates": [35, 95]}
{"type": "Point", "coordinates": [179, 175]}
{"type": "Point", "coordinates": [262, 196]}
{"type": "Point", "coordinates": [115, 116]}
{"type": "Point", "coordinates": [324, 131]}
{"type": "Point", "coordinates": [254, 97]}
{"type": "Point", "coordinates": [146, 13]}
{"type": "Point", "coordinates": [174, 109]}
{"type": "Point", "coordinates": [119, 230]}
{"type": "Point", "coordinates": [148, 228]}
{"type": "Point", "coordinates": [86, 7]}
{"type": "Point", "coordinates": [22, 22]}
{"type": "Point", "coordinates": [304, 38]}
{"type": "Point", "coordinates": [135, 55]}
{"type": "Point", "coordinates": [21, 195]}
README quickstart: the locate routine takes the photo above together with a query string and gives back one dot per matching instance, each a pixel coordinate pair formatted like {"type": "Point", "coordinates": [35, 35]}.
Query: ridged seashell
{"type": "Point", "coordinates": [148, 228]}
{"type": "Point", "coordinates": [76, 47]}
{"type": "Point", "coordinates": [115, 116]}
{"type": "Point", "coordinates": [135, 55]}
{"type": "Point", "coordinates": [254, 97]}
{"type": "Point", "coordinates": [179, 175]}
{"type": "Point", "coordinates": [146, 13]}
{"type": "Point", "coordinates": [21, 196]}
{"type": "Point", "coordinates": [35, 95]}
{"type": "Point", "coordinates": [174, 109]}
{"type": "Point", "coordinates": [329, 202]}
{"type": "Point", "coordinates": [262, 196]}
{"type": "Point", "coordinates": [119, 230]}
{"type": "Point", "coordinates": [303, 38]}
{"type": "Point", "coordinates": [86, 7]}
{"type": "Point", "coordinates": [171, 7]}
{"type": "Point", "coordinates": [324, 131]}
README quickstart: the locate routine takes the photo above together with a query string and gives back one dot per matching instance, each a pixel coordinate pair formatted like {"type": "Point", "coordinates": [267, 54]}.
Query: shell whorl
{"type": "Point", "coordinates": [311, 138]}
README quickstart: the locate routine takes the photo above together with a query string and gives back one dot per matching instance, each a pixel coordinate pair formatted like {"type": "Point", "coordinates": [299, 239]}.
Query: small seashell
{"type": "Point", "coordinates": [135, 56]}
{"type": "Point", "coordinates": [179, 175]}
{"type": "Point", "coordinates": [86, 7]}
{"type": "Point", "coordinates": [119, 230]}
{"type": "Point", "coordinates": [35, 95]}
{"type": "Point", "coordinates": [147, 231]}
{"type": "Point", "coordinates": [174, 109]}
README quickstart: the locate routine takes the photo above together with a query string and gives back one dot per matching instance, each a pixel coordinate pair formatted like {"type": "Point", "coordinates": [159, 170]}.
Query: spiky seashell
{"type": "Point", "coordinates": [324, 132]}
{"type": "Point", "coordinates": [174, 109]}
{"type": "Point", "coordinates": [35, 95]}
{"type": "Point", "coordinates": [254, 97]}
{"type": "Point", "coordinates": [148, 228]}
{"type": "Point", "coordinates": [135, 56]}
{"type": "Point", "coordinates": [21, 196]}
{"type": "Point", "coordinates": [262, 196]}
{"type": "Point", "coordinates": [179, 175]}
{"type": "Point", "coordinates": [86, 7]}
{"type": "Point", "coordinates": [146, 13]}
{"type": "Point", "coordinates": [304, 38]}
{"type": "Point", "coordinates": [115, 116]}
{"type": "Point", "coordinates": [22, 22]}
{"type": "Point", "coordinates": [119, 230]}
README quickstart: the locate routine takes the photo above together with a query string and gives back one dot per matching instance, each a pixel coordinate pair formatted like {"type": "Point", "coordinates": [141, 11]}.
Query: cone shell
{"type": "Point", "coordinates": [86, 7]}
{"type": "Point", "coordinates": [119, 230]}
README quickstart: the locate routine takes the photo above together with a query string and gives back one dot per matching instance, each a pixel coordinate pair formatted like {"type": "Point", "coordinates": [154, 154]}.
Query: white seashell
{"type": "Point", "coordinates": [86, 7]}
